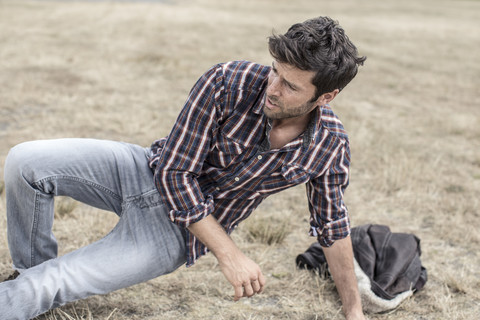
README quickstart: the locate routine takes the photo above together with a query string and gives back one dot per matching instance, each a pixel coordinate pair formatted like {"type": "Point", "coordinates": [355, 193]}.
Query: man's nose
{"type": "Point", "coordinates": [273, 87]}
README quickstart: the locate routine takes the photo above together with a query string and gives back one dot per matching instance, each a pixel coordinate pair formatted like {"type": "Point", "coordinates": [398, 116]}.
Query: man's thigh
{"type": "Point", "coordinates": [100, 173]}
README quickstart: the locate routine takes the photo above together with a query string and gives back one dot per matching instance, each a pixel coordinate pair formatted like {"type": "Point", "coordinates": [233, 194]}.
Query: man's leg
{"type": "Point", "coordinates": [105, 174]}
{"type": "Point", "coordinates": [143, 245]}
{"type": "Point", "coordinates": [87, 170]}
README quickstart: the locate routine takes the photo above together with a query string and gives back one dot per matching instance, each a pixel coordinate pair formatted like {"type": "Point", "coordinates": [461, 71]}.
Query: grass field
{"type": "Point", "coordinates": [121, 71]}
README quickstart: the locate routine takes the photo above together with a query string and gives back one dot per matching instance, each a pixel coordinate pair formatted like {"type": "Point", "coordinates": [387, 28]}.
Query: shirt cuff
{"type": "Point", "coordinates": [197, 213]}
{"type": "Point", "coordinates": [332, 231]}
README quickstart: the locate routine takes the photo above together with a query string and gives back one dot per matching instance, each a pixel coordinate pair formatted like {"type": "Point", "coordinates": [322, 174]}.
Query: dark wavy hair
{"type": "Point", "coordinates": [318, 45]}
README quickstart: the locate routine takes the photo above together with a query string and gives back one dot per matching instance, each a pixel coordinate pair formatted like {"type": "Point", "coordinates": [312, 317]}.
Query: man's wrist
{"type": "Point", "coordinates": [354, 312]}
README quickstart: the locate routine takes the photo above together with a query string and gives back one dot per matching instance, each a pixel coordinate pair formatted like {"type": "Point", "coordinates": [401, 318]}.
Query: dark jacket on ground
{"type": "Point", "coordinates": [391, 261]}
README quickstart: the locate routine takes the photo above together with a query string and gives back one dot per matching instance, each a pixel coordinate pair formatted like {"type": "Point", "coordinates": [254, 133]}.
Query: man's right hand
{"type": "Point", "coordinates": [243, 273]}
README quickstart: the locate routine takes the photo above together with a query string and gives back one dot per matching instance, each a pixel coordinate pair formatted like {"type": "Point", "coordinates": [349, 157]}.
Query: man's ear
{"type": "Point", "coordinates": [327, 97]}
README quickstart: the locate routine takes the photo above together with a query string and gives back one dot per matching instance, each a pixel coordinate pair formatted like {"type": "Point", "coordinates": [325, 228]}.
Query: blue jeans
{"type": "Point", "coordinates": [109, 175]}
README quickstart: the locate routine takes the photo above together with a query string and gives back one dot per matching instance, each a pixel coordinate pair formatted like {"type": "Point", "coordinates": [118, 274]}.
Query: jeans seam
{"type": "Point", "coordinates": [85, 181]}
{"type": "Point", "coordinates": [34, 231]}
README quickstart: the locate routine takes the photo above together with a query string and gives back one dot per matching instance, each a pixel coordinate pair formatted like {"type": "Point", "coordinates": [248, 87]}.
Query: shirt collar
{"type": "Point", "coordinates": [258, 107]}
{"type": "Point", "coordinates": [313, 127]}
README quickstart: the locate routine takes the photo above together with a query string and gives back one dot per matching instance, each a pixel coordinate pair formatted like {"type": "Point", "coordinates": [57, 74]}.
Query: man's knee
{"type": "Point", "coordinates": [19, 158]}
{"type": "Point", "coordinates": [32, 161]}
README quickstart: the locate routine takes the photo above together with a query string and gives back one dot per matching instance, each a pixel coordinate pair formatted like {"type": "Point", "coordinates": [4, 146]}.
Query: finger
{"type": "Point", "coordinates": [238, 293]}
{"type": "Point", "coordinates": [261, 282]}
{"type": "Point", "coordinates": [247, 289]}
{"type": "Point", "coordinates": [256, 286]}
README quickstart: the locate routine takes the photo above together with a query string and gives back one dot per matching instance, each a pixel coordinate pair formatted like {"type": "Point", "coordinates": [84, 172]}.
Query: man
{"type": "Point", "coordinates": [245, 132]}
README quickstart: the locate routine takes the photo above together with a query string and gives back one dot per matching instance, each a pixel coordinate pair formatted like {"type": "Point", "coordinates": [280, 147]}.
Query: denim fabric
{"type": "Point", "coordinates": [109, 175]}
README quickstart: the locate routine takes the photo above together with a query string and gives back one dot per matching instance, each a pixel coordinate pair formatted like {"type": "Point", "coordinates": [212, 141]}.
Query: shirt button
{"type": "Point", "coordinates": [237, 179]}
{"type": "Point", "coordinates": [259, 157]}
{"type": "Point", "coordinates": [217, 188]}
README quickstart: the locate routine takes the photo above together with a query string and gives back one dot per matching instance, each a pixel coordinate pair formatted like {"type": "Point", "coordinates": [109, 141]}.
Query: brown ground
{"type": "Point", "coordinates": [121, 71]}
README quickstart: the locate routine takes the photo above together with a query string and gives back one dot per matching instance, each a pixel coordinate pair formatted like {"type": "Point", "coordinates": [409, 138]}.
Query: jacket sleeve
{"type": "Point", "coordinates": [185, 150]}
{"type": "Point", "coordinates": [329, 220]}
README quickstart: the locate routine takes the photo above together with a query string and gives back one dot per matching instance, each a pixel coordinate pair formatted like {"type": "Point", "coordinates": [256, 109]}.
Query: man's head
{"type": "Point", "coordinates": [319, 45]}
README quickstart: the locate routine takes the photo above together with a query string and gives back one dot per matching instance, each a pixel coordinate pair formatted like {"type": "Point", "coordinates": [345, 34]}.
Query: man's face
{"type": "Point", "coordinates": [289, 92]}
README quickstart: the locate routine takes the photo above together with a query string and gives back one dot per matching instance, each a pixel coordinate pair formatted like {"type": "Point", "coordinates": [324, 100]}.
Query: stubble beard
{"type": "Point", "coordinates": [287, 113]}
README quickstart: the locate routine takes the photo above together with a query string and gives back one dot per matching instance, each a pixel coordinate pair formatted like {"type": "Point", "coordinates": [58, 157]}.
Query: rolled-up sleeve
{"type": "Point", "coordinates": [185, 150]}
{"type": "Point", "coordinates": [329, 220]}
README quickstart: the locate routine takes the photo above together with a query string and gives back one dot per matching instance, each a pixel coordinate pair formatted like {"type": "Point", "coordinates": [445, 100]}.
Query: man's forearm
{"type": "Point", "coordinates": [340, 261]}
{"type": "Point", "coordinates": [212, 235]}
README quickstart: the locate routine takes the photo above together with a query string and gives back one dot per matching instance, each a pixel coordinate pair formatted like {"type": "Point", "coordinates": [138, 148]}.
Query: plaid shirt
{"type": "Point", "coordinates": [217, 158]}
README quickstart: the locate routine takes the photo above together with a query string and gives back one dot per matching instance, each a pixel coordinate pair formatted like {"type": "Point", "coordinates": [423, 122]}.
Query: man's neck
{"type": "Point", "coordinates": [285, 130]}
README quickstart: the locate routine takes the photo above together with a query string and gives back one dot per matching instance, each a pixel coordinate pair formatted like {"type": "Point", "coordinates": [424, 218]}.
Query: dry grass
{"type": "Point", "coordinates": [64, 206]}
{"type": "Point", "coordinates": [269, 229]}
{"type": "Point", "coordinates": [121, 71]}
